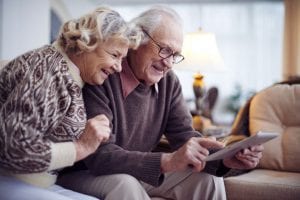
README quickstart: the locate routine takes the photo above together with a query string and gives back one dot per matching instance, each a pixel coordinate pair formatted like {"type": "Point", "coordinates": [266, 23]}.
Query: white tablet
{"type": "Point", "coordinates": [230, 150]}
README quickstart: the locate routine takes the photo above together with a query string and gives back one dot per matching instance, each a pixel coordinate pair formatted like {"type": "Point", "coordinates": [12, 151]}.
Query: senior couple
{"type": "Point", "coordinates": [64, 103]}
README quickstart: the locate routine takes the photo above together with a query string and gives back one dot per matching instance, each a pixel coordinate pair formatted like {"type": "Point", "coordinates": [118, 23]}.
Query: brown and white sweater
{"type": "Point", "coordinates": [42, 111]}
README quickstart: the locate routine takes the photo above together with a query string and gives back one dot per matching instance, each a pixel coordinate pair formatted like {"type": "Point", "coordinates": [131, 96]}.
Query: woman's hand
{"type": "Point", "coordinates": [97, 130]}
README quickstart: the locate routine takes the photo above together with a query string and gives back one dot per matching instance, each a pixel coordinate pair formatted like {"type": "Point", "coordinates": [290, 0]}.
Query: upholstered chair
{"type": "Point", "coordinates": [275, 109]}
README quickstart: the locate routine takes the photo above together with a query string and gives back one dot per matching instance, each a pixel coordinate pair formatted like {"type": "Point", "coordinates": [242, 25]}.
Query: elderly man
{"type": "Point", "coordinates": [143, 102]}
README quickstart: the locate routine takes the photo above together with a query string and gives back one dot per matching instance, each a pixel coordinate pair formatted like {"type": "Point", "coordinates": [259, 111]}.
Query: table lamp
{"type": "Point", "coordinates": [201, 55]}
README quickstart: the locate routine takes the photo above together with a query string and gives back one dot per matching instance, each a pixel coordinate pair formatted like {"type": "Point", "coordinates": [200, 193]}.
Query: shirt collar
{"type": "Point", "coordinates": [128, 80]}
{"type": "Point", "coordinates": [73, 69]}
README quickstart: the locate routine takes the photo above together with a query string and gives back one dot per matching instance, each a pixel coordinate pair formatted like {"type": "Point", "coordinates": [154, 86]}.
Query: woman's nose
{"type": "Point", "coordinates": [118, 67]}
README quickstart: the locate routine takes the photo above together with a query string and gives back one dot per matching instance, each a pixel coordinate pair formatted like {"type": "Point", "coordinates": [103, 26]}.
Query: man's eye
{"type": "Point", "coordinates": [166, 51]}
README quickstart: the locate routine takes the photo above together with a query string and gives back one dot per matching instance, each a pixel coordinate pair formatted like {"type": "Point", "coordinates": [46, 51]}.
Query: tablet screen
{"type": "Point", "coordinates": [230, 150]}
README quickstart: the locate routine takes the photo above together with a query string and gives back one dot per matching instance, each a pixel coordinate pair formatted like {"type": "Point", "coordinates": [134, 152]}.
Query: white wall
{"type": "Point", "coordinates": [25, 24]}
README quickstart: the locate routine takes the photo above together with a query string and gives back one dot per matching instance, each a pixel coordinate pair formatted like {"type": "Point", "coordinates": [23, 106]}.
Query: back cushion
{"type": "Point", "coordinates": [277, 109]}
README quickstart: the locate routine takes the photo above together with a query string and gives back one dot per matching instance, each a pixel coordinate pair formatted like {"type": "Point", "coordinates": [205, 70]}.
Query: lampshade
{"type": "Point", "coordinates": [201, 53]}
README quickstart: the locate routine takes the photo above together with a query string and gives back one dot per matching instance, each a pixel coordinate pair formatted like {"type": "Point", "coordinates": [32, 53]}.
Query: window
{"type": "Point", "coordinates": [250, 39]}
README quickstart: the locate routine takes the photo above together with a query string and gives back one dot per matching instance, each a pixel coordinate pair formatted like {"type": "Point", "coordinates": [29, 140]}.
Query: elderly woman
{"type": "Point", "coordinates": [43, 120]}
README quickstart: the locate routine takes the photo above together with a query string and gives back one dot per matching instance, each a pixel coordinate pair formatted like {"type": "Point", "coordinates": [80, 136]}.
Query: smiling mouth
{"type": "Point", "coordinates": [106, 72]}
{"type": "Point", "coordinates": [158, 69]}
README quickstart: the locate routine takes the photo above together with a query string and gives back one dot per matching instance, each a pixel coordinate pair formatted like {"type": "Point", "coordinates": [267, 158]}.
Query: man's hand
{"type": "Point", "coordinates": [191, 154]}
{"type": "Point", "coordinates": [245, 159]}
{"type": "Point", "coordinates": [97, 130]}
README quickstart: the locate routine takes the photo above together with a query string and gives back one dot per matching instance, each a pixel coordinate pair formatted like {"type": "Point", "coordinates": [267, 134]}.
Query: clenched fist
{"type": "Point", "coordinates": [96, 130]}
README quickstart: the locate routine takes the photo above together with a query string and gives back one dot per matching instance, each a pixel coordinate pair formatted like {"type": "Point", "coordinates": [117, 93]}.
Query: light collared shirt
{"type": "Point", "coordinates": [128, 80]}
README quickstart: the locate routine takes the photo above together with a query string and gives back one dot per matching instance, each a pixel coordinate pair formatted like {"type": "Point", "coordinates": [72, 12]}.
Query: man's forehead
{"type": "Point", "coordinates": [169, 34]}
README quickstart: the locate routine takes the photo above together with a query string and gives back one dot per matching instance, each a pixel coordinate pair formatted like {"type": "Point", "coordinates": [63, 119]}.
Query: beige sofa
{"type": "Point", "coordinates": [276, 109]}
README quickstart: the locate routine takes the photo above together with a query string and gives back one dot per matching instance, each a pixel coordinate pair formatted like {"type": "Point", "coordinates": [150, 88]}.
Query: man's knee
{"type": "Point", "coordinates": [212, 182]}
{"type": "Point", "coordinates": [215, 182]}
{"type": "Point", "coordinates": [126, 187]}
{"type": "Point", "coordinates": [125, 181]}
{"type": "Point", "coordinates": [215, 188]}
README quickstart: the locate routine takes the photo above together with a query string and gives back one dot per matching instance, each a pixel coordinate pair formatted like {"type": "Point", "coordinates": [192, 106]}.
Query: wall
{"type": "Point", "coordinates": [24, 26]}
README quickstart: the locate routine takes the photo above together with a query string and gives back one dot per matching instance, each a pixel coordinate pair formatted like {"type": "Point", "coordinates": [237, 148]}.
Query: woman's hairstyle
{"type": "Point", "coordinates": [150, 19]}
{"type": "Point", "coordinates": [86, 33]}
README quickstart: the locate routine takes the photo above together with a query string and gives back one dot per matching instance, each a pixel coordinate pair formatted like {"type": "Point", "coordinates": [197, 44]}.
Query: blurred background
{"type": "Point", "coordinates": [249, 35]}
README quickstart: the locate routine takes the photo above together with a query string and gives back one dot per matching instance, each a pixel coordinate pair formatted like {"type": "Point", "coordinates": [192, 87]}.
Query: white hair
{"type": "Point", "coordinates": [151, 18]}
{"type": "Point", "coordinates": [85, 34]}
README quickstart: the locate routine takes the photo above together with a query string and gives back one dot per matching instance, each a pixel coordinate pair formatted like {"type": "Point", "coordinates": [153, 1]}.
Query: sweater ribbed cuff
{"type": "Point", "coordinates": [63, 154]}
{"type": "Point", "coordinates": [152, 171]}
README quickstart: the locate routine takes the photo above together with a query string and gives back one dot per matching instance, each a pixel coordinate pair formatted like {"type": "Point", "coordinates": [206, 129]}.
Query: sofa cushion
{"type": "Point", "coordinates": [277, 109]}
{"type": "Point", "coordinates": [262, 184]}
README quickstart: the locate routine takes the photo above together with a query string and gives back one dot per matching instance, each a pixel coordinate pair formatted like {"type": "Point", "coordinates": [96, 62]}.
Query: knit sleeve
{"type": "Point", "coordinates": [112, 159]}
{"type": "Point", "coordinates": [179, 127]}
{"type": "Point", "coordinates": [33, 101]}
{"type": "Point", "coordinates": [179, 123]}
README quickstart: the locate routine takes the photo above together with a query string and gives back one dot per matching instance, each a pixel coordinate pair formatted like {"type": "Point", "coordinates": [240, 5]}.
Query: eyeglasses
{"type": "Point", "coordinates": [166, 52]}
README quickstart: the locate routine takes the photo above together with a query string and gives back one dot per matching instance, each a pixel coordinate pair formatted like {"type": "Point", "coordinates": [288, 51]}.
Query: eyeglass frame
{"type": "Point", "coordinates": [162, 55]}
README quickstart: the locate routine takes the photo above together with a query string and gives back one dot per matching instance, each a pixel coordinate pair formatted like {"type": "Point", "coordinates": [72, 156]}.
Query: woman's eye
{"type": "Point", "coordinates": [113, 55]}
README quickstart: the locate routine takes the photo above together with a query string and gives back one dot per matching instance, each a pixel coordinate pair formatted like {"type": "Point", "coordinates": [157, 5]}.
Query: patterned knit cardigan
{"type": "Point", "coordinates": [40, 105]}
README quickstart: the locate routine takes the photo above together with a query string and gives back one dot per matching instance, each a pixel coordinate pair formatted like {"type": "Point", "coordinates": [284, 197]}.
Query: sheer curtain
{"type": "Point", "coordinates": [250, 39]}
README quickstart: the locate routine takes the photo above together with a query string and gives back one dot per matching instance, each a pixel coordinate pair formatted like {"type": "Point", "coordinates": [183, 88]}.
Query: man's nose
{"type": "Point", "coordinates": [168, 61]}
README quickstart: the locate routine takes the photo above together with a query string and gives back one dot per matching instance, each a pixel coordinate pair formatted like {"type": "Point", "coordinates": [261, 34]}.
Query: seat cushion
{"type": "Point", "coordinates": [261, 184]}
{"type": "Point", "coordinates": [277, 109]}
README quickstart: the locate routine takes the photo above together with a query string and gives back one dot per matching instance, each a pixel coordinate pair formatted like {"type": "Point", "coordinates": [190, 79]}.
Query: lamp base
{"type": "Point", "coordinates": [199, 91]}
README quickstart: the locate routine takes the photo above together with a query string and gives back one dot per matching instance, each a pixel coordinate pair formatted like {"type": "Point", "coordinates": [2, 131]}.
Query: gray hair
{"type": "Point", "coordinates": [86, 33]}
{"type": "Point", "coordinates": [151, 18]}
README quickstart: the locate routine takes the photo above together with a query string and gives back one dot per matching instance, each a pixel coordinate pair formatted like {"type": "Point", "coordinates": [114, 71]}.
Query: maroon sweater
{"type": "Point", "coordinates": [138, 122]}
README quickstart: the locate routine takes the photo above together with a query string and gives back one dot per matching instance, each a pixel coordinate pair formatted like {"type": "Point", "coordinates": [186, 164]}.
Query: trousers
{"type": "Point", "coordinates": [14, 189]}
{"type": "Point", "coordinates": [187, 185]}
